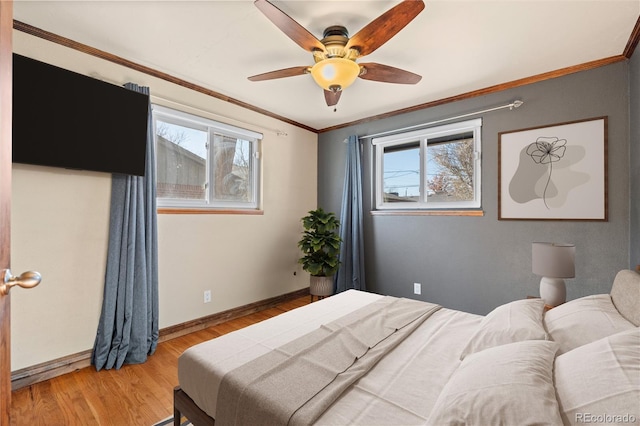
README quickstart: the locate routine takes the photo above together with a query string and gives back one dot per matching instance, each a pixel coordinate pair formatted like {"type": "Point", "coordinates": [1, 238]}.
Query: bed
{"type": "Point", "coordinates": [360, 358]}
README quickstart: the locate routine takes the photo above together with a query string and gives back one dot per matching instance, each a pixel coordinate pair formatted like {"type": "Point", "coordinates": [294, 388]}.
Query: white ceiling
{"type": "Point", "coordinates": [457, 46]}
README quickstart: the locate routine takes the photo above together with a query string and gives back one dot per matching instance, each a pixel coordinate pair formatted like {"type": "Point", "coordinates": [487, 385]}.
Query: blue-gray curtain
{"type": "Point", "coordinates": [350, 275]}
{"type": "Point", "coordinates": [128, 327]}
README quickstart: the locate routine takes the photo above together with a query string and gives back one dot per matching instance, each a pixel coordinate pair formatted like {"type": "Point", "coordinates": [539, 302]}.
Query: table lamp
{"type": "Point", "coordinates": [553, 262]}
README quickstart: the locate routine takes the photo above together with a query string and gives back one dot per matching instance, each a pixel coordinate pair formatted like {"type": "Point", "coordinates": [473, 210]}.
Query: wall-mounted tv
{"type": "Point", "coordinates": [65, 119]}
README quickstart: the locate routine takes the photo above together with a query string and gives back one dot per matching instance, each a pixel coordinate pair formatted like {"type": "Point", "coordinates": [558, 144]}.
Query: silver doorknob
{"type": "Point", "coordinates": [27, 279]}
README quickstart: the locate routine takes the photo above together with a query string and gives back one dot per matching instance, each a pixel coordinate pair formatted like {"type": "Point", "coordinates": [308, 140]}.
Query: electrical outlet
{"type": "Point", "coordinates": [417, 288]}
{"type": "Point", "coordinates": [207, 296]}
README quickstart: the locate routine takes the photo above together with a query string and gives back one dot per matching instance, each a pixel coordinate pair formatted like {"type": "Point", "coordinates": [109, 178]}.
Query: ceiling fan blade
{"type": "Point", "coordinates": [380, 30]}
{"type": "Point", "coordinates": [289, 26]}
{"type": "Point", "coordinates": [331, 97]}
{"type": "Point", "coordinates": [388, 74]}
{"type": "Point", "coordinates": [286, 72]}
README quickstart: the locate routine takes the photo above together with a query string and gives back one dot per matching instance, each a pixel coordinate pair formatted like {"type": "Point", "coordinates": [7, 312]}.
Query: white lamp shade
{"type": "Point", "coordinates": [553, 260]}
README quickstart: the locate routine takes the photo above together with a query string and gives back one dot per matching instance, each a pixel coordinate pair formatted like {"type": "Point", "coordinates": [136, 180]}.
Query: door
{"type": "Point", "coordinates": [6, 23]}
{"type": "Point", "coordinates": [7, 281]}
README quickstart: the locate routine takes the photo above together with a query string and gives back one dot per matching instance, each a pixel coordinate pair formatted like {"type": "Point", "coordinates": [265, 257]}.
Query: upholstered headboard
{"type": "Point", "coordinates": [625, 293]}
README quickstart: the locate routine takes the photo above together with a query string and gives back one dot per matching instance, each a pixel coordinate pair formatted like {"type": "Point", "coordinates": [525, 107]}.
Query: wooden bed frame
{"type": "Point", "coordinates": [184, 405]}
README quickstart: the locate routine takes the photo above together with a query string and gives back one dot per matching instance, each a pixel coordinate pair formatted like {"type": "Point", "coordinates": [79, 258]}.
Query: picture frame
{"type": "Point", "coordinates": [554, 172]}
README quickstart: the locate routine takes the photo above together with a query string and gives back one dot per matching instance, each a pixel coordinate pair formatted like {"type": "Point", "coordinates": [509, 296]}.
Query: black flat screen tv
{"type": "Point", "coordinates": [65, 119]}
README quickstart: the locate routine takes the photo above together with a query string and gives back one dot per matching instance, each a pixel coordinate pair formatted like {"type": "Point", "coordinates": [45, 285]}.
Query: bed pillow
{"type": "Point", "coordinates": [512, 322]}
{"type": "Point", "coordinates": [509, 384]}
{"type": "Point", "coordinates": [600, 378]}
{"type": "Point", "coordinates": [583, 321]}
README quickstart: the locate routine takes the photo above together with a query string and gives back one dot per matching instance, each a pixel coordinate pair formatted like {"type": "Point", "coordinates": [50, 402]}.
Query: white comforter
{"type": "Point", "coordinates": [392, 387]}
{"type": "Point", "coordinates": [579, 362]}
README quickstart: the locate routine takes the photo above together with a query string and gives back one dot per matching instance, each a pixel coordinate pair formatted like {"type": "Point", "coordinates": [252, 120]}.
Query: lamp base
{"type": "Point", "coordinates": [553, 291]}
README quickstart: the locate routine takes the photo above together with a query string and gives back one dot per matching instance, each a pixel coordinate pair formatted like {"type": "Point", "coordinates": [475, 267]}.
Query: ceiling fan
{"type": "Point", "coordinates": [335, 55]}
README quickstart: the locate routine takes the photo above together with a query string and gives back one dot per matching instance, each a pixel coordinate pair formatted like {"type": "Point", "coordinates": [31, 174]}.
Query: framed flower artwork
{"type": "Point", "coordinates": [556, 172]}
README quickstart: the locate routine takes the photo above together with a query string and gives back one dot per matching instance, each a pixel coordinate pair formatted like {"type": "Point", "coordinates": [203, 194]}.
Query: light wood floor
{"type": "Point", "coordinates": [135, 395]}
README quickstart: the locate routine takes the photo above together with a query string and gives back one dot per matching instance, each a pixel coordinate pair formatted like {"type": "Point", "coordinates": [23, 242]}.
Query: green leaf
{"type": "Point", "coordinates": [320, 243]}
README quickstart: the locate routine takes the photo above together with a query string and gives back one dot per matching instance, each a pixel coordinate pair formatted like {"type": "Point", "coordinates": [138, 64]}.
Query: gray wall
{"type": "Point", "coordinates": [634, 85]}
{"type": "Point", "coordinates": [477, 263]}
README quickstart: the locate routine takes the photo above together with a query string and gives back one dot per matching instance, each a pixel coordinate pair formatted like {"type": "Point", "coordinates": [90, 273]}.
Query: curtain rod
{"type": "Point", "coordinates": [220, 117]}
{"type": "Point", "coordinates": [515, 104]}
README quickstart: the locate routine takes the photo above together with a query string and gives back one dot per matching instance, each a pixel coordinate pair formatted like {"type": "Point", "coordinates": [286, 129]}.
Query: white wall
{"type": "Point", "coordinates": [60, 225]}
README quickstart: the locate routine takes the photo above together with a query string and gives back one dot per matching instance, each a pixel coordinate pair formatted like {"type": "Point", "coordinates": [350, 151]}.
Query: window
{"type": "Point", "coordinates": [435, 168]}
{"type": "Point", "coordinates": [201, 163]}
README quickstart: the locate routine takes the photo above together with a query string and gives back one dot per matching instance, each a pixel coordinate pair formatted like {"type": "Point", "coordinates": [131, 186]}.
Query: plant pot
{"type": "Point", "coordinates": [321, 286]}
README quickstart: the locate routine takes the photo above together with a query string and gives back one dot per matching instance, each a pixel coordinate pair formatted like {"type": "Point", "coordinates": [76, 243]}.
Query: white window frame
{"type": "Point", "coordinates": [210, 126]}
{"type": "Point", "coordinates": [423, 136]}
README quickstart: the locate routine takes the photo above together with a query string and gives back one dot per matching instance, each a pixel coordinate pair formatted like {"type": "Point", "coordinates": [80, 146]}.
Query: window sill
{"type": "Point", "coordinates": [169, 210]}
{"type": "Point", "coordinates": [427, 213]}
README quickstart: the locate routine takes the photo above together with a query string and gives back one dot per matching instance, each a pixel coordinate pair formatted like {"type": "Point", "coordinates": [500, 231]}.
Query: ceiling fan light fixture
{"type": "Point", "coordinates": [333, 72]}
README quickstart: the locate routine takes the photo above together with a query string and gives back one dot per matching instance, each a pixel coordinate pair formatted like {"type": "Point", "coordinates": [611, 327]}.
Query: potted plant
{"type": "Point", "coordinates": [320, 245]}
